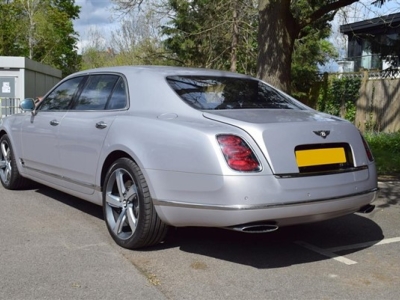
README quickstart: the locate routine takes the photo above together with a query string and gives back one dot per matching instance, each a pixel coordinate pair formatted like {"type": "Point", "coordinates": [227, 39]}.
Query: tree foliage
{"type": "Point", "coordinates": [41, 30]}
{"type": "Point", "coordinates": [202, 33]}
{"type": "Point", "coordinates": [339, 97]}
{"type": "Point", "coordinates": [214, 34]}
{"type": "Point", "coordinates": [281, 24]}
{"type": "Point", "coordinates": [136, 42]}
{"type": "Point", "coordinates": [10, 28]}
{"type": "Point", "coordinates": [310, 51]}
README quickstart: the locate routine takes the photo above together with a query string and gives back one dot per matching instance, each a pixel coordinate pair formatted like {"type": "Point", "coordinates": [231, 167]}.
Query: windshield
{"type": "Point", "coordinates": [211, 93]}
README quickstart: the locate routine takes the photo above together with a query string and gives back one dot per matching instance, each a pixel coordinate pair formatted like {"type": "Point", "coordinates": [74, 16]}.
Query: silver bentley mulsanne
{"type": "Point", "coordinates": [164, 146]}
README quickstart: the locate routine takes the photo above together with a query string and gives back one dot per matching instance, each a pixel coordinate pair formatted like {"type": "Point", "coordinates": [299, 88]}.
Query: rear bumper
{"type": "Point", "coordinates": [190, 199]}
{"type": "Point", "coordinates": [281, 214]}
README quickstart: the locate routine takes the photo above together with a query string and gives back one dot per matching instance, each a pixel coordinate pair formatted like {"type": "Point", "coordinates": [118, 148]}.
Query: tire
{"type": "Point", "coordinates": [9, 174]}
{"type": "Point", "coordinates": [128, 208]}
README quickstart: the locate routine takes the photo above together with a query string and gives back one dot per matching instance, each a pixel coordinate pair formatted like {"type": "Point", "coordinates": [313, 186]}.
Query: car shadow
{"type": "Point", "coordinates": [281, 248]}
{"type": "Point", "coordinates": [278, 249]}
{"type": "Point", "coordinates": [79, 204]}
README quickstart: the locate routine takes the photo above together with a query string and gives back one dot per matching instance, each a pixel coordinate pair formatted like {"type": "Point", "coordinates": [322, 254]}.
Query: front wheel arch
{"type": "Point", "coordinates": [10, 176]}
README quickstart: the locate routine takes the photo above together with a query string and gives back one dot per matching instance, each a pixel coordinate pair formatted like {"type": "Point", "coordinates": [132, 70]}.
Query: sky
{"type": "Point", "coordinates": [94, 15]}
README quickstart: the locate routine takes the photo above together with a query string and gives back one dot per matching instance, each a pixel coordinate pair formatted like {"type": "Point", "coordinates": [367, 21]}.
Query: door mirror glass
{"type": "Point", "coordinates": [27, 104]}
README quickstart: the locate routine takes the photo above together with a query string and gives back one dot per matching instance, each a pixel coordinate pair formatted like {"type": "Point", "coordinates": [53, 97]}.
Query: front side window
{"type": "Point", "coordinates": [212, 93]}
{"type": "Point", "coordinates": [96, 92]}
{"type": "Point", "coordinates": [61, 97]}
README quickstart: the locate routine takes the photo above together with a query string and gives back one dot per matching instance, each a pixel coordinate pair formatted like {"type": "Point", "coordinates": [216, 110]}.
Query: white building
{"type": "Point", "coordinates": [22, 78]}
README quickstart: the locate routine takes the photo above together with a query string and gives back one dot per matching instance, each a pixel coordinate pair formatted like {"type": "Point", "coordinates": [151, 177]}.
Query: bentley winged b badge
{"type": "Point", "coordinates": [322, 133]}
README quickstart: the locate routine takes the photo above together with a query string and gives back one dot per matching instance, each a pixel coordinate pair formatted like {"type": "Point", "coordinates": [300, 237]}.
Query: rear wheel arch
{"type": "Point", "coordinates": [111, 158]}
{"type": "Point", "coordinates": [114, 156]}
{"type": "Point", "coordinates": [2, 132]}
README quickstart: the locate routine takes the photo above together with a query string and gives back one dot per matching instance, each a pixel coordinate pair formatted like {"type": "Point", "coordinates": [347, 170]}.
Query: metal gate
{"type": "Point", "coordinates": [9, 106]}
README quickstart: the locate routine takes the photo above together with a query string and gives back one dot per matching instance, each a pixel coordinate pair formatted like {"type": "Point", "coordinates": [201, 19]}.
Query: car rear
{"type": "Point", "coordinates": [282, 162]}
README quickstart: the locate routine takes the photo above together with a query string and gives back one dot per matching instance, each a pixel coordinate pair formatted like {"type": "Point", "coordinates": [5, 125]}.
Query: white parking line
{"type": "Point", "coordinates": [364, 245]}
{"type": "Point", "coordinates": [327, 253]}
{"type": "Point", "coordinates": [330, 252]}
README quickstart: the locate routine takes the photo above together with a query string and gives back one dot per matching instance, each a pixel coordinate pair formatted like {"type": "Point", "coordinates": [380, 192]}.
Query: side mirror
{"type": "Point", "coordinates": [27, 104]}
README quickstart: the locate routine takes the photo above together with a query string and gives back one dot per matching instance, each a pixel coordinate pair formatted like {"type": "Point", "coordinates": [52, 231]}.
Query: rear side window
{"type": "Point", "coordinates": [213, 93]}
{"type": "Point", "coordinates": [61, 97]}
{"type": "Point", "coordinates": [96, 92]}
{"type": "Point", "coordinates": [118, 98]}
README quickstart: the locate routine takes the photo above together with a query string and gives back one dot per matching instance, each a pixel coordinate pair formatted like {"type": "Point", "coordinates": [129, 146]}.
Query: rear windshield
{"type": "Point", "coordinates": [211, 93]}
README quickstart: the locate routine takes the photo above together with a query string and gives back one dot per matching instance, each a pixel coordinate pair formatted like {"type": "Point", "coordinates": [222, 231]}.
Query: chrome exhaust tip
{"type": "Point", "coordinates": [254, 228]}
{"type": "Point", "coordinates": [366, 209]}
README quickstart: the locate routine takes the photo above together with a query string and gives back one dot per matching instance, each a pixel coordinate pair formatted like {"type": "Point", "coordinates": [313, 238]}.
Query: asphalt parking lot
{"type": "Point", "coordinates": [54, 246]}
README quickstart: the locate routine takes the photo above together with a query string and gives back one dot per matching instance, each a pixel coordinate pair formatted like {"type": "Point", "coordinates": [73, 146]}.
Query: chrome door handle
{"type": "Point", "coordinates": [54, 122]}
{"type": "Point", "coordinates": [101, 125]}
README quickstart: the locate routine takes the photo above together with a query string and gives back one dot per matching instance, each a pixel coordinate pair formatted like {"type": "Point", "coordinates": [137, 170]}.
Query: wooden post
{"type": "Point", "coordinates": [362, 103]}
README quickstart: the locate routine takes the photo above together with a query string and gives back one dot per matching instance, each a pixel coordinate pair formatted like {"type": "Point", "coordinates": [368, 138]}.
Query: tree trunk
{"type": "Point", "coordinates": [277, 33]}
{"type": "Point", "coordinates": [235, 37]}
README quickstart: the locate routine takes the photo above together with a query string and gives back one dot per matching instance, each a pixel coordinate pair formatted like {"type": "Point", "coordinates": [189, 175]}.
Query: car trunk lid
{"type": "Point", "coordinates": [298, 141]}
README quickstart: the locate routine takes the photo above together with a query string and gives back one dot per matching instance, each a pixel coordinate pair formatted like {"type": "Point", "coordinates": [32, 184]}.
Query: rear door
{"type": "Point", "coordinates": [85, 128]}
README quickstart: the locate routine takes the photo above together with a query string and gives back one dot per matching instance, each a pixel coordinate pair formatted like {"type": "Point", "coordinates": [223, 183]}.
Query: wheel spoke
{"type": "Point", "coordinates": [3, 175]}
{"type": "Point", "coordinates": [131, 192]}
{"type": "Point", "coordinates": [132, 220]}
{"type": "Point", "coordinates": [119, 178]}
{"type": "Point", "coordinates": [4, 151]}
{"type": "Point", "coordinates": [113, 201]}
{"type": "Point", "coordinates": [120, 222]}
{"type": "Point", "coordinates": [5, 165]}
{"type": "Point", "coordinates": [8, 173]}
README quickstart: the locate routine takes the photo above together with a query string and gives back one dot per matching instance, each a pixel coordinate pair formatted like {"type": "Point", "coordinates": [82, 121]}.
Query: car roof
{"type": "Point", "coordinates": [143, 80]}
{"type": "Point", "coordinates": [162, 70]}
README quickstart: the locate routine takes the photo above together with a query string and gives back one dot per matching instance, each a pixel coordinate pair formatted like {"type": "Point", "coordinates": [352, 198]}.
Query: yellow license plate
{"type": "Point", "coordinates": [316, 157]}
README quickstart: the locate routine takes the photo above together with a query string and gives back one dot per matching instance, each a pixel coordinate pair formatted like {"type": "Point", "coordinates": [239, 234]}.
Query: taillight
{"type": "Point", "coordinates": [367, 149]}
{"type": "Point", "coordinates": [238, 154]}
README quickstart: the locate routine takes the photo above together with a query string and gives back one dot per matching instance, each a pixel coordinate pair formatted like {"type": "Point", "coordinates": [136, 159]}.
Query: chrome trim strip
{"type": "Point", "coordinates": [333, 172]}
{"type": "Point", "coordinates": [240, 207]}
{"type": "Point", "coordinates": [86, 185]}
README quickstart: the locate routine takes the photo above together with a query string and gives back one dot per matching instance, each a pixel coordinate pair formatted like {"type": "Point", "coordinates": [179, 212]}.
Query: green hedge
{"type": "Point", "coordinates": [338, 96]}
{"type": "Point", "coordinates": [386, 150]}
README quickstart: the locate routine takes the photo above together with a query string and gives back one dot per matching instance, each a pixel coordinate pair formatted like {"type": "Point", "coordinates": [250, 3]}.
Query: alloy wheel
{"type": "Point", "coordinates": [122, 204]}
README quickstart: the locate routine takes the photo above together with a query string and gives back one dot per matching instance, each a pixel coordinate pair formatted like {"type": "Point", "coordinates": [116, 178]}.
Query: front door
{"type": "Point", "coordinates": [39, 134]}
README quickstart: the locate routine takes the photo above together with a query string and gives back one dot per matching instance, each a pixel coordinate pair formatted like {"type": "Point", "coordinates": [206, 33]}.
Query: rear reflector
{"type": "Point", "coordinates": [238, 154]}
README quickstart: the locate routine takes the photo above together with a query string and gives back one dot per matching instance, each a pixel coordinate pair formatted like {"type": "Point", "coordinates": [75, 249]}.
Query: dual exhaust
{"type": "Point", "coordinates": [366, 209]}
{"type": "Point", "coordinates": [270, 227]}
{"type": "Point", "coordinates": [255, 228]}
